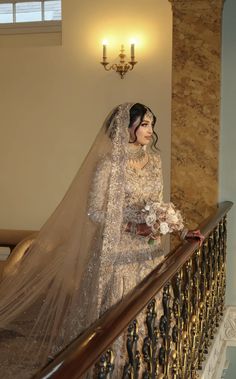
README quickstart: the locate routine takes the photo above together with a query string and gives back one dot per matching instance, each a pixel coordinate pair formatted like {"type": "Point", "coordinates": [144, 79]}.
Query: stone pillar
{"type": "Point", "coordinates": [195, 106]}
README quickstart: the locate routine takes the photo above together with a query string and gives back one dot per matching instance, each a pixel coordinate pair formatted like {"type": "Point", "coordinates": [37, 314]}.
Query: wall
{"type": "Point", "coordinates": [54, 99]}
{"type": "Point", "coordinates": [231, 357]}
{"type": "Point", "coordinates": [228, 139]}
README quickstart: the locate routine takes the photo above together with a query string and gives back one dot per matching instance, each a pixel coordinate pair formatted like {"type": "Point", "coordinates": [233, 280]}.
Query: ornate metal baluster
{"type": "Point", "coordinates": [186, 315]}
{"type": "Point", "coordinates": [175, 366]}
{"type": "Point", "coordinates": [223, 285]}
{"type": "Point", "coordinates": [131, 369]}
{"type": "Point", "coordinates": [208, 295]}
{"type": "Point", "coordinates": [196, 282]}
{"type": "Point", "coordinates": [207, 322]}
{"type": "Point", "coordinates": [150, 344]}
{"type": "Point", "coordinates": [221, 270]}
{"type": "Point", "coordinates": [195, 320]}
{"type": "Point", "coordinates": [214, 282]}
{"type": "Point", "coordinates": [105, 366]}
{"type": "Point", "coordinates": [202, 305]}
{"type": "Point", "coordinates": [218, 274]}
{"type": "Point", "coordinates": [193, 349]}
{"type": "Point", "coordinates": [178, 327]}
{"type": "Point", "coordinates": [185, 347]}
{"type": "Point", "coordinates": [211, 286]}
{"type": "Point", "coordinates": [201, 334]}
{"type": "Point", "coordinates": [164, 326]}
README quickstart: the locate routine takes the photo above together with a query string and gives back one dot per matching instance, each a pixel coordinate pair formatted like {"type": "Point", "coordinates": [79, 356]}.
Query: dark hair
{"type": "Point", "coordinates": [139, 110]}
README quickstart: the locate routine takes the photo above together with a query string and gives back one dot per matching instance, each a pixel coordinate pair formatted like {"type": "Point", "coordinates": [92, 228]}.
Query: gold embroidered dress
{"type": "Point", "coordinates": [134, 257]}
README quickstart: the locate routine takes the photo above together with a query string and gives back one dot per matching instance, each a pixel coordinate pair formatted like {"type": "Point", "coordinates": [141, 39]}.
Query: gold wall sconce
{"type": "Point", "coordinates": [122, 67]}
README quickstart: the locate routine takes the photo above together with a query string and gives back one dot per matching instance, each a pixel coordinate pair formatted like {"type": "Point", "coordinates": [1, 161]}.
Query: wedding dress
{"type": "Point", "coordinates": [83, 260]}
{"type": "Point", "coordinates": [132, 254]}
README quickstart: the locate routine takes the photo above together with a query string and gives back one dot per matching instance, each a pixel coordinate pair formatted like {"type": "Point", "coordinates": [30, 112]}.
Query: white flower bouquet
{"type": "Point", "coordinates": [163, 218]}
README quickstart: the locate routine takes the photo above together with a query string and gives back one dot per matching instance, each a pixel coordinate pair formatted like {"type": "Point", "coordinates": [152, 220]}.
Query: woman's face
{"type": "Point", "coordinates": [144, 131]}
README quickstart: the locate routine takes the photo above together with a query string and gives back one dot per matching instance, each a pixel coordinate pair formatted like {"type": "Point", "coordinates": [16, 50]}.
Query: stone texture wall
{"type": "Point", "coordinates": [196, 106]}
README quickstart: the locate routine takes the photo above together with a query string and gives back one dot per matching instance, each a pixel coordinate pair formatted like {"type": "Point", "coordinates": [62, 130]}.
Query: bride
{"type": "Point", "coordinates": [101, 241]}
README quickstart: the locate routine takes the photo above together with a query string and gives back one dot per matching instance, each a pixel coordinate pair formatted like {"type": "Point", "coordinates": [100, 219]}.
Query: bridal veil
{"type": "Point", "coordinates": [55, 287]}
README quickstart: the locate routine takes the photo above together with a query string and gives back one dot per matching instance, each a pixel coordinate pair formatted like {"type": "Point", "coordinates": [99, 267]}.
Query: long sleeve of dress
{"type": "Point", "coordinates": [98, 198]}
{"type": "Point", "coordinates": [164, 217]}
{"type": "Point", "coordinates": [143, 188]}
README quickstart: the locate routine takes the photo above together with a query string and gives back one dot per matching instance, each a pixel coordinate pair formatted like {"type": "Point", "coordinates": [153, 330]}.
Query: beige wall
{"type": "Point", "coordinates": [54, 98]}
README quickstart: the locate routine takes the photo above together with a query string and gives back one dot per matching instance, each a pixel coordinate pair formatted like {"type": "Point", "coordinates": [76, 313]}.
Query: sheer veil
{"type": "Point", "coordinates": [58, 279]}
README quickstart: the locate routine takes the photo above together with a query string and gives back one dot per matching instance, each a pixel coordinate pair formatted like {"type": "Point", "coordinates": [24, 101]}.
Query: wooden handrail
{"type": "Point", "coordinates": [10, 238]}
{"type": "Point", "coordinates": [80, 355]}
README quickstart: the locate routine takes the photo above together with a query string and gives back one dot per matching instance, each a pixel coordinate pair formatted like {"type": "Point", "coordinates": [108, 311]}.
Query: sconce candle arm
{"type": "Point", "coordinates": [122, 67]}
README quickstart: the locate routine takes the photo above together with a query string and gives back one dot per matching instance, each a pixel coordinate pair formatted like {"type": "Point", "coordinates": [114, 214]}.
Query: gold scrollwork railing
{"type": "Point", "coordinates": [180, 305]}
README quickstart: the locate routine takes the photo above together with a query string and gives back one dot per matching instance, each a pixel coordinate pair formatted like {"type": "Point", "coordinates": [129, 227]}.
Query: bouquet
{"type": "Point", "coordinates": [163, 218]}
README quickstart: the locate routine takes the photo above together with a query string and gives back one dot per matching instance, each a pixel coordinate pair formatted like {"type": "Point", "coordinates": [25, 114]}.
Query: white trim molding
{"type": "Point", "coordinates": [216, 363]}
{"type": "Point", "coordinates": [230, 326]}
{"type": "Point", "coordinates": [31, 27]}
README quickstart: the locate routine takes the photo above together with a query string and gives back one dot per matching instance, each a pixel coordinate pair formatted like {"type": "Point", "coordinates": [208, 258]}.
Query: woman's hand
{"type": "Point", "coordinates": [142, 230]}
{"type": "Point", "coordinates": [196, 235]}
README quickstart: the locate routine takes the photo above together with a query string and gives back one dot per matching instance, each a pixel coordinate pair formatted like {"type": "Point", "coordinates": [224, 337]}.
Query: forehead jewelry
{"type": "Point", "coordinates": [148, 116]}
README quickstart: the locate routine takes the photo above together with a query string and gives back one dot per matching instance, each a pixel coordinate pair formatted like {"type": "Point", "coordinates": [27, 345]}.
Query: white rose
{"type": "Point", "coordinates": [171, 209]}
{"type": "Point", "coordinates": [155, 206]}
{"type": "Point", "coordinates": [173, 219]}
{"type": "Point", "coordinates": [151, 219]}
{"type": "Point", "coordinates": [164, 228]}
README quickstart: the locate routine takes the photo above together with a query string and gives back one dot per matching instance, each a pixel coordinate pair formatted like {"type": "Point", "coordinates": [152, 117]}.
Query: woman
{"type": "Point", "coordinates": [102, 240]}
{"type": "Point", "coordinates": [139, 182]}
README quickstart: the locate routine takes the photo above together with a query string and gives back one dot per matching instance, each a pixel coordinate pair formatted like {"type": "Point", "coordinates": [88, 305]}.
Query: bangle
{"type": "Point", "coordinates": [183, 233]}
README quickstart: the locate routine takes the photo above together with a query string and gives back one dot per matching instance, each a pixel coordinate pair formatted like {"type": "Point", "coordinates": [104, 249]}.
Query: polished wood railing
{"type": "Point", "coordinates": [10, 238]}
{"type": "Point", "coordinates": [178, 331]}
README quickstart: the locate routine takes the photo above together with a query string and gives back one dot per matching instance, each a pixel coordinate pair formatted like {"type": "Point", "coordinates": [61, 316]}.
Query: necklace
{"type": "Point", "coordinates": [136, 154]}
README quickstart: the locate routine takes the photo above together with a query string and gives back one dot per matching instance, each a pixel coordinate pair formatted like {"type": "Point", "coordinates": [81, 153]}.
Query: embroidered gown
{"type": "Point", "coordinates": [136, 258]}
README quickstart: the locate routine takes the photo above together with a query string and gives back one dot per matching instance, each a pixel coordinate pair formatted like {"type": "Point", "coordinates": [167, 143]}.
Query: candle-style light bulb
{"type": "Point", "coordinates": [104, 50]}
{"type": "Point", "coordinates": [132, 50]}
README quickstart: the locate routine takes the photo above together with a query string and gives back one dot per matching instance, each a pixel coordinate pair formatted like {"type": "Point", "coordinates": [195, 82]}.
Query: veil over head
{"type": "Point", "coordinates": [57, 281]}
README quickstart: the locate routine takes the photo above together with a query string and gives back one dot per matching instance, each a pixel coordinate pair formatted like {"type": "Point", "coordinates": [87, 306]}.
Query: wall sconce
{"type": "Point", "coordinates": [122, 67]}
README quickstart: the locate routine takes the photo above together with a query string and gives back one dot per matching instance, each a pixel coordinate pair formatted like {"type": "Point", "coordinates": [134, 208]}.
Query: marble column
{"type": "Point", "coordinates": [196, 106]}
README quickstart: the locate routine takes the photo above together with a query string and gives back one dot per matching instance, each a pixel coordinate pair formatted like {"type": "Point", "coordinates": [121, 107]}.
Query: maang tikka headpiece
{"type": "Point", "coordinates": [149, 116]}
